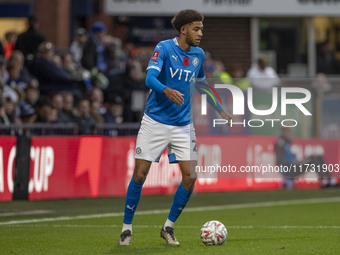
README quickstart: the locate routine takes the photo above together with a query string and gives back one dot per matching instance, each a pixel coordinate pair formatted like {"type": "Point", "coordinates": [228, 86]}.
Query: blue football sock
{"type": "Point", "coordinates": [132, 199]}
{"type": "Point", "coordinates": [181, 198]}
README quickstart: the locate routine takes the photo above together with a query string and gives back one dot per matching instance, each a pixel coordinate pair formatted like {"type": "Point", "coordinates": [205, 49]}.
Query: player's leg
{"type": "Point", "coordinates": [183, 145]}
{"type": "Point", "coordinates": [152, 139]}
{"type": "Point", "coordinates": [134, 189]}
{"type": "Point", "coordinates": [183, 192]}
{"type": "Point", "coordinates": [289, 176]}
{"type": "Point", "coordinates": [180, 200]}
{"type": "Point", "coordinates": [133, 195]}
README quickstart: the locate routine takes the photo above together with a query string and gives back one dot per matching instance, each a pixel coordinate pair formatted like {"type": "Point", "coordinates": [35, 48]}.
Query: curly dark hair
{"type": "Point", "coordinates": [186, 17]}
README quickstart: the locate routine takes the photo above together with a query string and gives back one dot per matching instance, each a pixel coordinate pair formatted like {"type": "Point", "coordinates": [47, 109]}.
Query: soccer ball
{"type": "Point", "coordinates": [213, 233]}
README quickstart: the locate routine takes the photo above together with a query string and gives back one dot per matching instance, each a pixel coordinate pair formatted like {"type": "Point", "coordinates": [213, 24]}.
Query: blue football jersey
{"type": "Point", "coordinates": [178, 69]}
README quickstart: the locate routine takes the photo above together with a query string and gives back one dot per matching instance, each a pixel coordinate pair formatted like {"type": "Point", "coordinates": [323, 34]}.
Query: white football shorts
{"type": "Point", "coordinates": [153, 137]}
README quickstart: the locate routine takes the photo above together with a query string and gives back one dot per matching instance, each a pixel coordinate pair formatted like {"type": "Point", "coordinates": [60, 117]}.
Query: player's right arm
{"type": "Point", "coordinates": [153, 83]}
{"type": "Point", "coordinates": [154, 68]}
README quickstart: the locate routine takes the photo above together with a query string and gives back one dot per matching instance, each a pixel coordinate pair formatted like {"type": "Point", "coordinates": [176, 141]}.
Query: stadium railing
{"type": "Point", "coordinates": [70, 129]}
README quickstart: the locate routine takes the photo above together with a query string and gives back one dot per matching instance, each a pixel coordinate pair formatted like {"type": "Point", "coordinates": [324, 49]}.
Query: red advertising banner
{"type": "Point", "coordinates": [95, 166]}
{"type": "Point", "coordinates": [237, 153]}
{"type": "Point", "coordinates": [7, 158]}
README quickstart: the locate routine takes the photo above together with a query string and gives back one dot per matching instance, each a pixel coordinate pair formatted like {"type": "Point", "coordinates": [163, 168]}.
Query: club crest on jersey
{"type": "Point", "coordinates": [155, 55]}
{"type": "Point", "coordinates": [195, 61]}
{"type": "Point", "coordinates": [186, 61]}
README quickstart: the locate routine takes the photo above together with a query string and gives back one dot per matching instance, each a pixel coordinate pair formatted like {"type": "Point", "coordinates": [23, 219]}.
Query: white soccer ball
{"type": "Point", "coordinates": [213, 233]}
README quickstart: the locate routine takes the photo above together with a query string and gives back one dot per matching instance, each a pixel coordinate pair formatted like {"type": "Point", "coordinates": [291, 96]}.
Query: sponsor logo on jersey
{"type": "Point", "coordinates": [187, 75]}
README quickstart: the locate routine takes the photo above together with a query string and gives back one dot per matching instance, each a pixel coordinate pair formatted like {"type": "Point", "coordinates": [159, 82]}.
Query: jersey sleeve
{"type": "Point", "coordinates": [157, 58]}
{"type": "Point", "coordinates": [213, 98]}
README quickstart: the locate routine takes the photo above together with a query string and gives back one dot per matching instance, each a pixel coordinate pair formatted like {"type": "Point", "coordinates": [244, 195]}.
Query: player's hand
{"type": "Point", "coordinates": [226, 116]}
{"type": "Point", "coordinates": [174, 95]}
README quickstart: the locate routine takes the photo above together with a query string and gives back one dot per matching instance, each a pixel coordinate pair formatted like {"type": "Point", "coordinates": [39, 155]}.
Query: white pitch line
{"type": "Point", "coordinates": [192, 209]}
{"type": "Point", "coordinates": [190, 227]}
{"type": "Point", "coordinates": [35, 212]}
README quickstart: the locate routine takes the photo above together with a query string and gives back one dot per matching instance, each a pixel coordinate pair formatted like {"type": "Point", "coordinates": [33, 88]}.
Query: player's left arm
{"type": "Point", "coordinates": [225, 115]}
{"type": "Point", "coordinates": [212, 97]}
{"type": "Point", "coordinates": [202, 87]}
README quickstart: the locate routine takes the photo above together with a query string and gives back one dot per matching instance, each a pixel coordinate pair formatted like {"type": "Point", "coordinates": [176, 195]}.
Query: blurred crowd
{"type": "Point", "coordinates": [98, 79]}
{"type": "Point", "coordinates": [92, 82]}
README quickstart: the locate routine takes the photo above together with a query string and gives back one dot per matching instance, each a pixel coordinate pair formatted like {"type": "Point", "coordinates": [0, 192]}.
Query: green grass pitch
{"type": "Point", "coordinates": [258, 222]}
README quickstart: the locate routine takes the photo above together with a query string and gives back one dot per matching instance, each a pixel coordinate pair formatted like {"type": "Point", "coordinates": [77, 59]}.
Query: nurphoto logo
{"type": "Point", "coordinates": [238, 105]}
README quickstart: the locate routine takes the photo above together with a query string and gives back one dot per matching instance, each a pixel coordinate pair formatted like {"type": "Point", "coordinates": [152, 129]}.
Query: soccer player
{"type": "Point", "coordinates": [174, 66]}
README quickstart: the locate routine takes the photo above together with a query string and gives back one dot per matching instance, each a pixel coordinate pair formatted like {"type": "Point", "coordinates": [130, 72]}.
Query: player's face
{"type": "Point", "coordinates": [194, 33]}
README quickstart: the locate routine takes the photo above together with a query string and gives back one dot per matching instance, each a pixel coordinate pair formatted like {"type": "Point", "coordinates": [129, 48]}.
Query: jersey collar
{"type": "Point", "coordinates": [176, 42]}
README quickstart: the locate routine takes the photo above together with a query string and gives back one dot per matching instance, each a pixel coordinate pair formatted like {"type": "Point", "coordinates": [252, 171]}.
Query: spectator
{"type": "Point", "coordinates": [29, 40]}
{"type": "Point", "coordinates": [94, 112]}
{"type": "Point", "coordinates": [50, 76]}
{"type": "Point", "coordinates": [286, 157]}
{"type": "Point", "coordinates": [14, 77]}
{"type": "Point", "coordinates": [4, 120]}
{"type": "Point", "coordinates": [77, 46]}
{"type": "Point", "coordinates": [262, 76]}
{"type": "Point", "coordinates": [321, 85]}
{"type": "Point", "coordinates": [5, 90]}
{"type": "Point", "coordinates": [57, 60]}
{"type": "Point", "coordinates": [31, 95]}
{"type": "Point", "coordinates": [94, 49]}
{"type": "Point", "coordinates": [326, 60]}
{"type": "Point", "coordinates": [96, 95]}
{"type": "Point", "coordinates": [209, 65]}
{"type": "Point", "coordinates": [128, 51]}
{"type": "Point", "coordinates": [57, 102]}
{"type": "Point", "coordinates": [66, 115]}
{"type": "Point", "coordinates": [10, 110]}
{"type": "Point", "coordinates": [3, 68]}
{"type": "Point", "coordinates": [114, 113]}
{"type": "Point", "coordinates": [17, 58]}
{"type": "Point", "coordinates": [11, 37]}
{"type": "Point", "coordinates": [115, 60]}
{"type": "Point", "coordinates": [221, 74]}
{"type": "Point", "coordinates": [44, 111]}
{"type": "Point", "coordinates": [27, 113]}
{"type": "Point", "coordinates": [237, 73]}
{"type": "Point", "coordinates": [70, 66]}
{"type": "Point", "coordinates": [53, 118]}
{"type": "Point", "coordinates": [133, 90]}
{"type": "Point", "coordinates": [76, 70]}
{"type": "Point", "coordinates": [124, 83]}
{"type": "Point", "coordinates": [85, 122]}
{"type": "Point", "coordinates": [134, 77]}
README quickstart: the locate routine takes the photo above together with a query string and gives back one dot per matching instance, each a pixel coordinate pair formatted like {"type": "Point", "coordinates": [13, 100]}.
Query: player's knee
{"type": "Point", "coordinates": [188, 182]}
{"type": "Point", "coordinates": [139, 176]}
